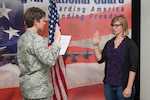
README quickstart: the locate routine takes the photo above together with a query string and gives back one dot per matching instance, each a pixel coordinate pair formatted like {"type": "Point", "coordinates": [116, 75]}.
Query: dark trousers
{"type": "Point", "coordinates": [115, 93]}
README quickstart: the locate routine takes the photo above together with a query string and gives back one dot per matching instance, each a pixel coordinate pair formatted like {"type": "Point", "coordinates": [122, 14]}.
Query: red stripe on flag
{"type": "Point", "coordinates": [58, 78]}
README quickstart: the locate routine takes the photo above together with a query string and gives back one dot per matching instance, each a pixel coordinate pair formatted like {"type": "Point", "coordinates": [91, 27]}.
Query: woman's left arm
{"type": "Point", "coordinates": [133, 55]}
{"type": "Point", "coordinates": [128, 90]}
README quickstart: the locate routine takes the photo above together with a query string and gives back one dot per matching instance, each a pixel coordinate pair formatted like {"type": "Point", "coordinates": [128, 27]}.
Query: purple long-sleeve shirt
{"type": "Point", "coordinates": [114, 64]}
{"type": "Point", "coordinates": [130, 59]}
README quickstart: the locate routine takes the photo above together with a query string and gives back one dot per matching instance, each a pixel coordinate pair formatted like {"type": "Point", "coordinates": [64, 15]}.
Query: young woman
{"type": "Point", "coordinates": [120, 55]}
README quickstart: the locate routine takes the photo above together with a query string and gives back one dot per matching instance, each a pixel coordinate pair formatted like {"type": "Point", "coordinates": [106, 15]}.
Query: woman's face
{"type": "Point", "coordinates": [40, 25]}
{"type": "Point", "coordinates": [116, 28]}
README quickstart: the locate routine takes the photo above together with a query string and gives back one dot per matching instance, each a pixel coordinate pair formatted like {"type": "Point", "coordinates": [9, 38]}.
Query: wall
{"type": "Point", "coordinates": [145, 51]}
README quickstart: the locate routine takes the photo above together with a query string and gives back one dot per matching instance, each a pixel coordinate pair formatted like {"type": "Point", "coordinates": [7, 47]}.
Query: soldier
{"type": "Point", "coordinates": [35, 57]}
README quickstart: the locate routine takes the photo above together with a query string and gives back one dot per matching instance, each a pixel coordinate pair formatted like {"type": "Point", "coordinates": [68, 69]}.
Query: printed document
{"type": "Point", "coordinates": [64, 43]}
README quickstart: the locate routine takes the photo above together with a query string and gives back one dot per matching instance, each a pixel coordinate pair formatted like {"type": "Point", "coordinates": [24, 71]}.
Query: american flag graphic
{"type": "Point", "coordinates": [11, 27]}
{"type": "Point", "coordinates": [58, 71]}
{"type": "Point", "coordinates": [11, 24]}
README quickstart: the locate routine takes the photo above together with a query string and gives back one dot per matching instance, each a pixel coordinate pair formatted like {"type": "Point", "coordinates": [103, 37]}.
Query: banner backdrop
{"type": "Point", "coordinates": [81, 19]}
{"type": "Point", "coordinates": [78, 18]}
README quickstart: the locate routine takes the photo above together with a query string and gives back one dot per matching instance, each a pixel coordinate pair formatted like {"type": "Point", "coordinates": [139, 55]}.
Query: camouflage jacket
{"type": "Point", "coordinates": [34, 61]}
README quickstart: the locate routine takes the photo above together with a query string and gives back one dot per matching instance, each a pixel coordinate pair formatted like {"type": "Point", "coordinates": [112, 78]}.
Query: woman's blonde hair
{"type": "Point", "coordinates": [123, 22]}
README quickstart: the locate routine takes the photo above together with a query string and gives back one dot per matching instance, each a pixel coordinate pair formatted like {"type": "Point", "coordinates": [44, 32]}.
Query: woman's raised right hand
{"type": "Point", "coordinates": [96, 38]}
{"type": "Point", "coordinates": [57, 34]}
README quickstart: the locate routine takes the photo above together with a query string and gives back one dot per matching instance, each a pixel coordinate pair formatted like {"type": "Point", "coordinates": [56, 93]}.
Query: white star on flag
{"type": "Point", "coordinates": [4, 11]}
{"type": "Point", "coordinates": [12, 32]}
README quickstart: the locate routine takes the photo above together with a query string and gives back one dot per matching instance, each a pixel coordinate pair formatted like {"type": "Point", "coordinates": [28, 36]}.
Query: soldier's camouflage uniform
{"type": "Point", "coordinates": [34, 60]}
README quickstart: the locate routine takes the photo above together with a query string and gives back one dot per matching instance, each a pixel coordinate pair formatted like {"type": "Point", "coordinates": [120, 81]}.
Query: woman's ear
{"type": "Point", "coordinates": [35, 23]}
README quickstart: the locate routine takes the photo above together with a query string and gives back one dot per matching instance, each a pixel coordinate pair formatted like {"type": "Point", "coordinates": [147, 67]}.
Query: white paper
{"type": "Point", "coordinates": [64, 43]}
